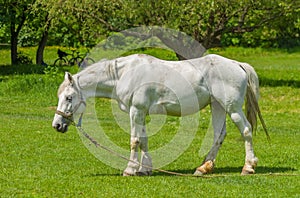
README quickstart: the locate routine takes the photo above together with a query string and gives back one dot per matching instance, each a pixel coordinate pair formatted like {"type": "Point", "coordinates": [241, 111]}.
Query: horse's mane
{"type": "Point", "coordinates": [109, 66]}
{"type": "Point", "coordinates": [65, 83]}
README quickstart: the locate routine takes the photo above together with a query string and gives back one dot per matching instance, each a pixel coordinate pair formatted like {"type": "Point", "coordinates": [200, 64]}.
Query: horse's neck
{"type": "Point", "coordinates": [98, 81]}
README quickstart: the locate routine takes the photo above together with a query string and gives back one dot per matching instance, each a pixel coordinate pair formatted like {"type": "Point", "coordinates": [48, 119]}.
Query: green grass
{"type": "Point", "coordinates": [36, 161]}
{"type": "Point", "coordinates": [276, 67]}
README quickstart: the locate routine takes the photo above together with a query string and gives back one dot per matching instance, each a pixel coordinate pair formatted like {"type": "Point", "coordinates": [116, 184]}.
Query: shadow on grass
{"type": "Point", "coordinates": [231, 170]}
{"type": "Point", "coordinates": [277, 83]}
{"type": "Point", "coordinates": [217, 171]}
{"type": "Point", "coordinates": [258, 170]}
{"type": "Point", "coordinates": [104, 174]}
{"type": "Point", "coordinates": [21, 69]}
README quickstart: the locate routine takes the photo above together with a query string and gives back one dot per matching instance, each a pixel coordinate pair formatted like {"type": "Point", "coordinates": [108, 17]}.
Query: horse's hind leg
{"type": "Point", "coordinates": [219, 125]}
{"type": "Point", "coordinates": [245, 128]}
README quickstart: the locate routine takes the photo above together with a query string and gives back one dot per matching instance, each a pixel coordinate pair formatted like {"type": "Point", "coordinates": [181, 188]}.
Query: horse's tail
{"type": "Point", "coordinates": [252, 108]}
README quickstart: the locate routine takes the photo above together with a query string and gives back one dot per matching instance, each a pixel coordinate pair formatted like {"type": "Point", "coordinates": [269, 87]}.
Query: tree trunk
{"type": "Point", "coordinates": [14, 48]}
{"type": "Point", "coordinates": [43, 42]}
{"type": "Point", "coordinates": [13, 38]}
{"type": "Point", "coordinates": [15, 30]}
{"type": "Point", "coordinates": [41, 47]}
{"type": "Point", "coordinates": [184, 46]}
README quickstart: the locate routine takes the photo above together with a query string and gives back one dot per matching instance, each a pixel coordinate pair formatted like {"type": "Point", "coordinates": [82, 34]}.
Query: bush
{"type": "Point", "coordinates": [23, 59]}
{"type": "Point", "coordinates": [53, 71]}
{"type": "Point", "coordinates": [21, 69]}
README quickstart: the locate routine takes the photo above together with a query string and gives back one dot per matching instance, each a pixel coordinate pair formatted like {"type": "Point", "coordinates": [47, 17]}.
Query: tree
{"type": "Point", "coordinates": [43, 41]}
{"type": "Point", "coordinates": [15, 13]}
{"type": "Point", "coordinates": [212, 23]}
{"type": "Point", "coordinates": [79, 22]}
{"type": "Point", "coordinates": [266, 24]}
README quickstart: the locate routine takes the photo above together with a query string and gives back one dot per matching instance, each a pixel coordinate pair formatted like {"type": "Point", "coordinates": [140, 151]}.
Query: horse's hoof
{"type": "Point", "coordinates": [247, 170]}
{"type": "Point", "coordinates": [147, 173]}
{"type": "Point", "coordinates": [198, 173]}
{"type": "Point", "coordinates": [126, 174]}
{"type": "Point", "coordinates": [206, 167]}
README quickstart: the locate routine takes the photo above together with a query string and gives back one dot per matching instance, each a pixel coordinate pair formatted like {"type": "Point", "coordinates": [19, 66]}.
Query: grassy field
{"type": "Point", "coordinates": [36, 161]}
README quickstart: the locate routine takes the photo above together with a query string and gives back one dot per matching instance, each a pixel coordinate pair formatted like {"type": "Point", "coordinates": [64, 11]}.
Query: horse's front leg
{"type": "Point", "coordinates": [138, 138]}
{"type": "Point", "coordinates": [133, 165]}
{"type": "Point", "coordinates": [146, 161]}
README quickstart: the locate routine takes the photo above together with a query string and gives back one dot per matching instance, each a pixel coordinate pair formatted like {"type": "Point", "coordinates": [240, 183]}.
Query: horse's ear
{"type": "Point", "coordinates": [68, 77]}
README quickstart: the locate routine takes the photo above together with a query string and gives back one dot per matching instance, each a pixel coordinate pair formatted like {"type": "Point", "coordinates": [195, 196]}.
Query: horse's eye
{"type": "Point", "coordinates": [69, 98]}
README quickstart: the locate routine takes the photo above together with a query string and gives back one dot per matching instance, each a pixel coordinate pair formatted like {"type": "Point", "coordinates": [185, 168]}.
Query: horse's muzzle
{"type": "Point", "coordinates": [61, 127]}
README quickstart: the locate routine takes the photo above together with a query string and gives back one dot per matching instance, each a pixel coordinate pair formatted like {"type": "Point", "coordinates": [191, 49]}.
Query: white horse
{"type": "Point", "coordinates": [142, 84]}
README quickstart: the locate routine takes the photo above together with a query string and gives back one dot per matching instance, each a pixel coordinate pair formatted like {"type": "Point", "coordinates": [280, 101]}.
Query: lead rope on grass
{"type": "Point", "coordinates": [92, 140]}
{"type": "Point", "coordinates": [98, 145]}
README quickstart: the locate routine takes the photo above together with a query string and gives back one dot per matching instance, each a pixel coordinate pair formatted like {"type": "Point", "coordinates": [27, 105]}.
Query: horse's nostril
{"type": "Point", "coordinates": [57, 127]}
{"type": "Point", "coordinates": [61, 127]}
{"type": "Point", "coordinates": [65, 128]}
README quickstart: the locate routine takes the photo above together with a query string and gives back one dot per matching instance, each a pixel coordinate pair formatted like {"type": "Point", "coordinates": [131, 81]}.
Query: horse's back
{"type": "Point", "coordinates": [177, 85]}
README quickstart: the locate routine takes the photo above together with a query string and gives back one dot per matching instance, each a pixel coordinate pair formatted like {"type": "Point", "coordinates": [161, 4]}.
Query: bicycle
{"type": "Point", "coordinates": [81, 60]}
{"type": "Point", "coordinates": [62, 59]}
{"type": "Point", "coordinates": [86, 61]}
{"type": "Point", "coordinates": [76, 59]}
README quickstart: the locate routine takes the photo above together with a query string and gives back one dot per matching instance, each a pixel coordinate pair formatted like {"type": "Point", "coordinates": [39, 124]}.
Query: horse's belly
{"type": "Point", "coordinates": [178, 110]}
{"type": "Point", "coordinates": [179, 107]}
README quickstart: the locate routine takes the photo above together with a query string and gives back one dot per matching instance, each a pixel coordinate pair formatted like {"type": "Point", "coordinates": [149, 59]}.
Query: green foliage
{"type": "Point", "coordinates": [58, 72]}
{"type": "Point", "coordinates": [34, 26]}
{"type": "Point", "coordinates": [211, 22]}
{"type": "Point", "coordinates": [267, 26]}
{"type": "Point", "coordinates": [23, 58]}
{"type": "Point", "coordinates": [4, 33]}
{"type": "Point", "coordinates": [52, 71]}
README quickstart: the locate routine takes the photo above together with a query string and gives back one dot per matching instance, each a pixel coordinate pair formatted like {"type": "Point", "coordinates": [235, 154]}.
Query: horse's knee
{"type": "Point", "coordinates": [134, 143]}
{"type": "Point", "coordinates": [243, 125]}
{"type": "Point", "coordinates": [235, 117]}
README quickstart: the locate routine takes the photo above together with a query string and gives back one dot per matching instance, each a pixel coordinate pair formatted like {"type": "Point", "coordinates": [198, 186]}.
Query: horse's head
{"type": "Point", "coordinates": [70, 102]}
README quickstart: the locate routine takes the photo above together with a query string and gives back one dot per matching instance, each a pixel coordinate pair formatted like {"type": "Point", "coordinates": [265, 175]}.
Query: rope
{"type": "Point", "coordinates": [92, 140]}
{"type": "Point", "coordinates": [98, 145]}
